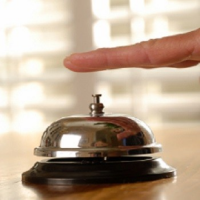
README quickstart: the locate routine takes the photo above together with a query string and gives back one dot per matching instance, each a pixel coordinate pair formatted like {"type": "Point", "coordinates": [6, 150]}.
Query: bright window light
{"type": "Point", "coordinates": [70, 141]}
{"type": "Point", "coordinates": [4, 124]}
{"type": "Point", "coordinates": [101, 9]}
{"type": "Point", "coordinates": [28, 122]}
{"type": "Point", "coordinates": [101, 33]}
{"type": "Point", "coordinates": [18, 12]}
{"type": "Point", "coordinates": [138, 25]}
{"type": "Point", "coordinates": [160, 26]}
{"type": "Point", "coordinates": [2, 42]}
{"type": "Point", "coordinates": [3, 98]}
{"type": "Point", "coordinates": [159, 3]}
{"type": "Point", "coordinates": [138, 29]}
{"type": "Point", "coordinates": [137, 6]}
{"type": "Point", "coordinates": [31, 93]}
{"type": "Point", "coordinates": [32, 67]}
{"type": "Point", "coordinates": [19, 40]}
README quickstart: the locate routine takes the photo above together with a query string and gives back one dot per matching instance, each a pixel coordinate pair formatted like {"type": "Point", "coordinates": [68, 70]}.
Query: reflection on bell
{"type": "Point", "coordinates": [97, 148]}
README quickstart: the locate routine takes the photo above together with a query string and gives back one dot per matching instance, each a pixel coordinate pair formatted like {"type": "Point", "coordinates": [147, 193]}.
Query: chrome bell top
{"type": "Point", "coordinates": [97, 135]}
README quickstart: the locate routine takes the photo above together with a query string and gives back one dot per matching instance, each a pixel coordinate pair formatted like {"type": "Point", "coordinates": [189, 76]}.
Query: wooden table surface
{"type": "Point", "coordinates": [181, 149]}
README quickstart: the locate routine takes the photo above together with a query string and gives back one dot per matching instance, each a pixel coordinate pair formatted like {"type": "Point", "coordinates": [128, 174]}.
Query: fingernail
{"type": "Point", "coordinates": [67, 61]}
{"type": "Point", "coordinates": [68, 64]}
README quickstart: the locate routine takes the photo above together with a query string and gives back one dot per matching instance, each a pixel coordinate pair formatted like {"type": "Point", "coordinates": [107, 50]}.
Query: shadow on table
{"type": "Point", "coordinates": [150, 188]}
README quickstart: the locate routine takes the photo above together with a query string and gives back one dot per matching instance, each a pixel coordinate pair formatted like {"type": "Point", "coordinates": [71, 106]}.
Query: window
{"type": "Point", "coordinates": [36, 35]}
{"type": "Point", "coordinates": [159, 96]}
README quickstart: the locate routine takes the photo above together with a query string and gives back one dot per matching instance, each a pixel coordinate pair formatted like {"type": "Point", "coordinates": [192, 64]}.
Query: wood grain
{"type": "Point", "coordinates": [181, 149]}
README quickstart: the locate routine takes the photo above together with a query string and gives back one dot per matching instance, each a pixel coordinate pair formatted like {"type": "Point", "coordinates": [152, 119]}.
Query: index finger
{"type": "Point", "coordinates": [166, 51]}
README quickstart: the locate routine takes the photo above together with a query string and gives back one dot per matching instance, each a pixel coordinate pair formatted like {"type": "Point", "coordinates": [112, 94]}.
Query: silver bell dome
{"type": "Point", "coordinates": [97, 135]}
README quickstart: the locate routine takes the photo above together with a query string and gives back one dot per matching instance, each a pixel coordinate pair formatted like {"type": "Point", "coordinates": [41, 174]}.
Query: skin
{"type": "Point", "coordinates": [178, 51]}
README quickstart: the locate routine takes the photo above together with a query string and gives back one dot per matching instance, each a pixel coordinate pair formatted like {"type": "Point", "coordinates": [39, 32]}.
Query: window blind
{"type": "Point", "coordinates": [159, 96]}
{"type": "Point", "coordinates": [36, 35]}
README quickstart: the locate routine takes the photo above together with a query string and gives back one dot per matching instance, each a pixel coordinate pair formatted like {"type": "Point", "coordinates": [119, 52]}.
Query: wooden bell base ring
{"type": "Point", "coordinates": [67, 171]}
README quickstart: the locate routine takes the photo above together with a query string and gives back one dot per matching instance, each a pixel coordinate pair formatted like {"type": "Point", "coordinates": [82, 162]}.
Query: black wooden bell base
{"type": "Point", "coordinates": [65, 171]}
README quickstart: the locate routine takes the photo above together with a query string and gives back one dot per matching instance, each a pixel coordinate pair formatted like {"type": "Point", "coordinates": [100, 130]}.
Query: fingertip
{"type": "Point", "coordinates": [68, 64]}
{"type": "Point", "coordinates": [72, 67]}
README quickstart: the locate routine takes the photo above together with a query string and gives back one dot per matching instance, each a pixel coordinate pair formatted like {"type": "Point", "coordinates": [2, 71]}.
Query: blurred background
{"type": "Point", "coordinates": [36, 35]}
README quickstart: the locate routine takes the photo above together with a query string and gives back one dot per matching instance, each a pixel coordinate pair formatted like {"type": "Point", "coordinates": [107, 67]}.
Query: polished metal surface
{"type": "Point", "coordinates": [97, 135]}
{"type": "Point", "coordinates": [96, 107]}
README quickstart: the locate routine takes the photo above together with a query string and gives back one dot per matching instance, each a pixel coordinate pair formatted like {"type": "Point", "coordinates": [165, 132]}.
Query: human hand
{"type": "Point", "coordinates": [177, 51]}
